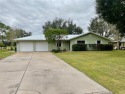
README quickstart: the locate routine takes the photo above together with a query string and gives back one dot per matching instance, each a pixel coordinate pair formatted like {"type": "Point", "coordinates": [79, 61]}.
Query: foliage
{"type": "Point", "coordinates": [101, 47]}
{"type": "Point", "coordinates": [103, 28]}
{"type": "Point", "coordinates": [56, 50]}
{"type": "Point", "coordinates": [79, 47]}
{"type": "Point", "coordinates": [15, 49]}
{"type": "Point", "coordinates": [105, 47]}
{"type": "Point", "coordinates": [17, 33]}
{"type": "Point", "coordinates": [1, 44]}
{"type": "Point", "coordinates": [59, 23]}
{"type": "Point", "coordinates": [113, 11]}
{"type": "Point", "coordinates": [53, 35]}
{"type": "Point", "coordinates": [7, 34]}
{"type": "Point", "coordinates": [3, 29]}
{"type": "Point", "coordinates": [105, 67]}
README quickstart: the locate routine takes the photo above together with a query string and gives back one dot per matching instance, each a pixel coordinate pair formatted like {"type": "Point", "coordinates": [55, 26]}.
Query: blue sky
{"type": "Point", "coordinates": [31, 15]}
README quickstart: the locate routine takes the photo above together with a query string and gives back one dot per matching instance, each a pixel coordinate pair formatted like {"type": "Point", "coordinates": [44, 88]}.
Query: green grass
{"type": "Point", "coordinates": [105, 67]}
{"type": "Point", "coordinates": [5, 53]}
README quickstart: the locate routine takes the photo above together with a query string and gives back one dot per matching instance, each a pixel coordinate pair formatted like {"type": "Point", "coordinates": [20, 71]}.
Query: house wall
{"type": "Point", "coordinates": [51, 46]}
{"type": "Point", "coordinates": [64, 45]}
{"type": "Point", "coordinates": [89, 39]}
{"type": "Point", "coordinates": [122, 46]}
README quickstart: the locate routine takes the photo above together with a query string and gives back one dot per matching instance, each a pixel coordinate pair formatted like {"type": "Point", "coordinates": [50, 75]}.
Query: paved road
{"type": "Point", "coordinates": [43, 73]}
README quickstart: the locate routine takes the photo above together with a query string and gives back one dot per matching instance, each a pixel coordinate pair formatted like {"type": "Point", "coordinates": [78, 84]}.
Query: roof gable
{"type": "Point", "coordinates": [90, 33]}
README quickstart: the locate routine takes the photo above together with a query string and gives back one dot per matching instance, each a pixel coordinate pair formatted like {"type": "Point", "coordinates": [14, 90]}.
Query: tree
{"type": "Point", "coordinates": [3, 29]}
{"type": "Point", "coordinates": [8, 34]}
{"type": "Point", "coordinates": [101, 27]}
{"type": "Point", "coordinates": [16, 33]}
{"type": "Point", "coordinates": [55, 35]}
{"type": "Point", "coordinates": [59, 23]}
{"type": "Point", "coordinates": [21, 33]}
{"type": "Point", "coordinates": [113, 11]}
{"type": "Point", "coordinates": [98, 26]}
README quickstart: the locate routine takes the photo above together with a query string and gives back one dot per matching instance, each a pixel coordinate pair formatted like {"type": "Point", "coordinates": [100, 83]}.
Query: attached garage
{"type": "Point", "coordinates": [25, 46]}
{"type": "Point", "coordinates": [32, 44]}
{"type": "Point", "coordinates": [41, 46]}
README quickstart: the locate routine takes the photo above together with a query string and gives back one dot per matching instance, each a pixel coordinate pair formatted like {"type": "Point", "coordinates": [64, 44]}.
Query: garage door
{"type": "Point", "coordinates": [26, 46]}
{"type": "Point", "coordinates": [41, 46]}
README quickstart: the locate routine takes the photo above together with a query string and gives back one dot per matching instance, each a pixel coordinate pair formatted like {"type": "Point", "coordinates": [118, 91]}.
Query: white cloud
{"type": "Point", "coordinates": [30, 15]}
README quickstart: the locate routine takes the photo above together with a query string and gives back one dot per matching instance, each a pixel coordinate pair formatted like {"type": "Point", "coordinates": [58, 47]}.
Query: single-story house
{"type": "Point", "coordinates": [119, 44]}
{"type": "Point", "coordinates": [39, 42]}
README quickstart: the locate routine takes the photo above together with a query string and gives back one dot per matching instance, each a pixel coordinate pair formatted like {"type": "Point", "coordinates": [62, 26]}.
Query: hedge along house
{"type": "Point", "coordinates": [39, 42]}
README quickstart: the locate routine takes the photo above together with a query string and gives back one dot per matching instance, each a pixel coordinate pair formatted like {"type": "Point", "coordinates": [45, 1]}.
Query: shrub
{"type": "Point", "coordinates": [56, 50]}
{"type": "Point", "coordinates": [11, 48]}
{"type": "Point", "coordinates": [79, 47]}
{"type": "Point", "coordinates": [64, 50]}
{"type": "Point", "coordinates": [1, 44]}
{"type": "Point", "coordinates": [105, 47]}
{"type": "Point", "coordinates": [15, 49]}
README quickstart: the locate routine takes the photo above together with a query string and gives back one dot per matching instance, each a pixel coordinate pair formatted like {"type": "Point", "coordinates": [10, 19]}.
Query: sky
{"type": "Point", "coordinates": [31, 15]}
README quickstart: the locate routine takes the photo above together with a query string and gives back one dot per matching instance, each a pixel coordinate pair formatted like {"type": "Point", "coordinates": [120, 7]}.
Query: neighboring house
{"type": "Point", "coordinates": [39, 42]}
{"type": "Point", "coordinates": [119, 44]}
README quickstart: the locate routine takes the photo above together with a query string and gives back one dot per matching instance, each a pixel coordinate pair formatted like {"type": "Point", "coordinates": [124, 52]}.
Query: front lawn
{"type": "Point", "coordinates": [105, 67]}
{"type": "Point", "coordinates": [5, 53]}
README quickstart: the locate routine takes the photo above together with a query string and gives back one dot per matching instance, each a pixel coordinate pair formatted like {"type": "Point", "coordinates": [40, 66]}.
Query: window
{"type": "Point", "coordinates": [80, 42]}
{"type": "Point", "coordinates": [98, 42]}
{"type": "Point", "coordinates": [59, 44]}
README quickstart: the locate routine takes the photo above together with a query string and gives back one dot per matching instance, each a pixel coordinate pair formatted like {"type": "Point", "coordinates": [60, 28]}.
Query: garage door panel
{"type": "Point", "coordinates": [41, 46]}
{"type": "Point", "coordinates": [26, 46]}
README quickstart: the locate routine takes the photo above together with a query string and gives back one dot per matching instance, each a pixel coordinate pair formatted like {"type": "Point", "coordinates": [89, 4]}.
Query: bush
{"type": "Point", "coordinates": [105, 47]}
{"type": "Point", "coordinates": [11, 48]}
{"type": "Point", "coordinates": [64, 50]}
{"type": "Point", "coordinates": [79, 47]}
{"type": "Point", "coordinates": [1, 44]}
{"type": "Point", "coordinates": [15, 49]}
{"type": "Point", "coordinates": [56, 50]}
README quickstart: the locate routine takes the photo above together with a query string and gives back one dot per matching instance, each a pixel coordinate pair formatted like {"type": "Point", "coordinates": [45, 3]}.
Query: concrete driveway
{"type": "Point", "coordinates": [43, 73]}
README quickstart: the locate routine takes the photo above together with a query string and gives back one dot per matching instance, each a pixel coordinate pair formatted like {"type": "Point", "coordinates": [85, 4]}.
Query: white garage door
{"type": "Point", "coordinates": [26, 46]}
{"type": "Point", "coordinates": [41, 46]}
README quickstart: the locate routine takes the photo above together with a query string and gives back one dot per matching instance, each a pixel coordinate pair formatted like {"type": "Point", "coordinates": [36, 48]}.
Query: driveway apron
{"type": "Point", "coordinates": [43, 73]}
